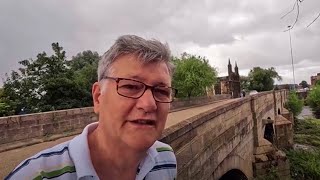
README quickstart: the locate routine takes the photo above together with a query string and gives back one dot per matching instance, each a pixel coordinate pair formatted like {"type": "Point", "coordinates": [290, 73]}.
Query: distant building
{"type": "Point", "coordinates": [286, 86]}
{"type": "Point", "coordinates": [229, 84]}
{"type": "Point", "coordinates": [314, 79]}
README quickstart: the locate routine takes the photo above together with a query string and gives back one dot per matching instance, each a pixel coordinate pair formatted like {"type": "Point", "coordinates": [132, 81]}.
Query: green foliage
{"type": "Point", "coordinates": [192, 75]}
{"type": "Point", "coordinates": [4, 106]}
{"type": "Point", "coordinates": [307, 132]}
{"type": "Point", "coordinates": [50, 82]}
{"type": "Point", "coordinates": [262, 79]}
{"type": "Point", "coordinates": [85, 66]}
{"type": "Point", "coordinates": [313, 100]}
{"type": "Point", "coordinates": [244, 83]}
{"type": "Point", "coordinates": [304, 84]}
{"type": "Point", "coordinates": [294, 104]}
{"type": "Point", "coordinates": [304, 164]}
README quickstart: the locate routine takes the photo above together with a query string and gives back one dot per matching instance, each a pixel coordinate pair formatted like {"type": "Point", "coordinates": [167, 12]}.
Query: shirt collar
{"type": "Point", "coordinates": [80, 153]}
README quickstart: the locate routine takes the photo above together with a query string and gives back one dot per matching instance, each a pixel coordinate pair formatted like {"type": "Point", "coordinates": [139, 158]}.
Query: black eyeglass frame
{"type": "Point", "coordinates": [117, 79]}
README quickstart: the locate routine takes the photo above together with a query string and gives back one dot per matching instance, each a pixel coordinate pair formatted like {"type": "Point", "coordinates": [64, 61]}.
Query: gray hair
{"type": "Point", "coordinates": [147, 51]}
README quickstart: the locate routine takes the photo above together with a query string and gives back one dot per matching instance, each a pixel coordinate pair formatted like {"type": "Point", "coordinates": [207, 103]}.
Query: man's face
{"type": "Point", "coordinates": [137, 123]}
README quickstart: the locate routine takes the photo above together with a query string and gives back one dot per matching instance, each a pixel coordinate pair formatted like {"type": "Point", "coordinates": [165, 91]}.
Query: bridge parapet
{"type": "Point", "coordinates": [230, 138]}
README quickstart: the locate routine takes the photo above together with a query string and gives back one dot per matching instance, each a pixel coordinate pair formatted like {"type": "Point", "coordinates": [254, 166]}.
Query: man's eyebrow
{"type": "Point", "coordinates": [161, 84]}
{"type": "Point", "coordinates": [139, 78]}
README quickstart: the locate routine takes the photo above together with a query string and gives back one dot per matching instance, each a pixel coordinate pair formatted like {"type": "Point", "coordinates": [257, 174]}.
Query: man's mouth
{"type": "Point", "coordinates": [144, 122]}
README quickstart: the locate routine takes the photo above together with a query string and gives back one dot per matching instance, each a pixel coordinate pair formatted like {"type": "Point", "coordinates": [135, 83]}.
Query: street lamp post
{"type": "Point", "coordinates": [294, 81]}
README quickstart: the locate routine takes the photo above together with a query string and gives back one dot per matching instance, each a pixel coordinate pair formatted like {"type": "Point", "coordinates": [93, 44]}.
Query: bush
{"type": "Point", "coordinates": [307, 132]}
{"type": "Point", "coordinates": [314, 100]}
{"type": "Point", "coordinates": [294, 104]}
{"type": "Point", "coordinates": [304, 164]}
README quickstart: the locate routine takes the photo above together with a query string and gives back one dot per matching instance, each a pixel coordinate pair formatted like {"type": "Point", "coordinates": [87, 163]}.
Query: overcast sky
{"type": "Point", "coordinates": [249, 32]}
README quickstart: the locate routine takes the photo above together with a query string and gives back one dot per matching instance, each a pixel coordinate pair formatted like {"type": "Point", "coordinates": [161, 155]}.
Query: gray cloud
{"type": "Point", "coordinates": [248, 31]}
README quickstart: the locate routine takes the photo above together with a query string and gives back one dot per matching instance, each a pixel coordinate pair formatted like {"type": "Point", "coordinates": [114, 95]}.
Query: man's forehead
{"type": "Point", "coordinates": [154, 73]}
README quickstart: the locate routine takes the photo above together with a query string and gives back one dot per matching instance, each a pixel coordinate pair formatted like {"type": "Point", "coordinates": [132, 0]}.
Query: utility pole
{"type": "Point", "coordinates": [294, 81]}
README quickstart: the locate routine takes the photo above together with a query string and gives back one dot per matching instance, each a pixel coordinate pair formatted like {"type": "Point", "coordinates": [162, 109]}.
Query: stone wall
{"type": "Point", "coordinates": [26, 127]}
{"type": "Point", "coordinates": [38, 125]}
{"type": "Point", "coordinates": [203, 143]}
{"type": "Point", "coordinates": [196, 101]}
{"type": "Point", "coordinates": [225, 138]}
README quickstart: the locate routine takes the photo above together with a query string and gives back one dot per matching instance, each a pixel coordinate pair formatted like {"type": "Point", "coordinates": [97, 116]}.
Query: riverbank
{"type": "Point", "coordinates": [304, 158]}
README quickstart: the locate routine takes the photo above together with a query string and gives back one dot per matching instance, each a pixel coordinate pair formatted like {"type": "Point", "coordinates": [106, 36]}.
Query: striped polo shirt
{"type": "Point", "coordinates": [71, 160]}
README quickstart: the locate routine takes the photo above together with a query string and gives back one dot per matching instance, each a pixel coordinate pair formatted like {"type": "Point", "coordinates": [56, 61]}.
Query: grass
{"type": "Point", "coordinates": [307, 132]}
{"type": "Point", "coordinates": [306, 164]}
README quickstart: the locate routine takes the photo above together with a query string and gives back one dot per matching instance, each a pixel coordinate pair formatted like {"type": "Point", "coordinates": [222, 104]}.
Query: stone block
{"type": "Point", "coordinates": [229, 134]}
{"type": "Point", "coordinates": [217, 143]}
{"type": "Point", "coordinates": [28, 123]}
{"type": "Point", "coordinates": [35, 134]}
{"type": "Point", "coordinates": [59, 114]}
{"type": "Point", "coordinates": [64, 125]}
{"type": "Point", "coordinates": [182, 140]}
{"type": "Point", "coordinates": [194, 167]}
{"type": "Point", "coordinates": [197, 145]}
{"type": "Point", "coordinates": [3, 135]}
{"type": "Point", "coordinates": [13, 122]}
{"type": "Point", "coordinates": [46, 118]}
{"type": "Point", "coordinates": [3, 125]}
{"type": "Point", "coordinates": [18, 134]}
{"type": "Point", "coordinates": [36, 128]}
{"type": "Point", "coordinates": [261, 158]}
{"type": "Point", "coordinates": [205, 156]}
{"type": "Point", "coordinates": [183, 174]}
{"type": "Point", "coordinates": [184, 155]}
{"type": "Point", "coordinates": [207, 169]}
{"type": "Point", "coordinates": [48, 129]}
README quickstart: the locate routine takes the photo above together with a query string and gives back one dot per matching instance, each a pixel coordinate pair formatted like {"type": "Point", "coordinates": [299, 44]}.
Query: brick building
{"type": "Point", "coordinates": [314, 79]}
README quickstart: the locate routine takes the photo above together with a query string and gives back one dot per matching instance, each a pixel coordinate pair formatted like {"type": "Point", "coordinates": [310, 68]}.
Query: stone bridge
{"type": "Point", "coordinates": [229, 139]}
{"type": "Point", "coordinates": [237, 140]}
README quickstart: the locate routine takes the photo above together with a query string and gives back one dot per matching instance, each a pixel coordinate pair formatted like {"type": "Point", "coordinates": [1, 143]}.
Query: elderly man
{"type": "Point", "coordinates": [132, 100]}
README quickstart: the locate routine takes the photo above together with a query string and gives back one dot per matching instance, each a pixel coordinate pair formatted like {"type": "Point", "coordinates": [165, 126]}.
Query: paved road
{"type": "Point", "coordinates": [10, 159]}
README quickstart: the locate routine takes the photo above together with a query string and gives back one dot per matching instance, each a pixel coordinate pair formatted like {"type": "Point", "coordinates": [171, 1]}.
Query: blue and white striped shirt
{"type": "Point", "coordinates": [71, 160]}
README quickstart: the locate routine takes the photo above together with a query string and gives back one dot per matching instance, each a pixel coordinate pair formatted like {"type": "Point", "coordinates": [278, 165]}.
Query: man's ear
{"type": "Point", "coordinates": [96, 92]}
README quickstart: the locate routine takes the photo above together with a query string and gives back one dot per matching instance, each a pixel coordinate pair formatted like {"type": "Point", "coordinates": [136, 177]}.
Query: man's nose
{"type": "Point", "coordinates": [147, 101]}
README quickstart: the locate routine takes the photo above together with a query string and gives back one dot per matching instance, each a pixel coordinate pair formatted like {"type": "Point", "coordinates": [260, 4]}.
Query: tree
{"type": "Point", "coordinates": [85, 65]}
{"type": "Point", "coordinates": [294, 104]}
{"type": "Point", "coordinates": [313, 100]}
{"type": "Point", "coordinates": [262, 79]}
{"type": "Point", "coordinates": [50, 82]}
{"type": "Point", "coordinates": [304, 84]}
{"type": "Point", "coordinates": [244, 83]}
{"type": "Point", "coordinates": [4, 106]}
{"type": "Point", "coordinates": [192, 75]}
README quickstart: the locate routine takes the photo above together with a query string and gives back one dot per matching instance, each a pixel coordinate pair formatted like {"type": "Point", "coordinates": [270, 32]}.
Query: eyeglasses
{"type": "Point", "coordinates": [135, 89]}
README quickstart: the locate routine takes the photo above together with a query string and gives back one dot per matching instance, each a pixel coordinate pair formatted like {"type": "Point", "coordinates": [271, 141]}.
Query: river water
{"type": "Point", "coordinates": [305, 113]}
